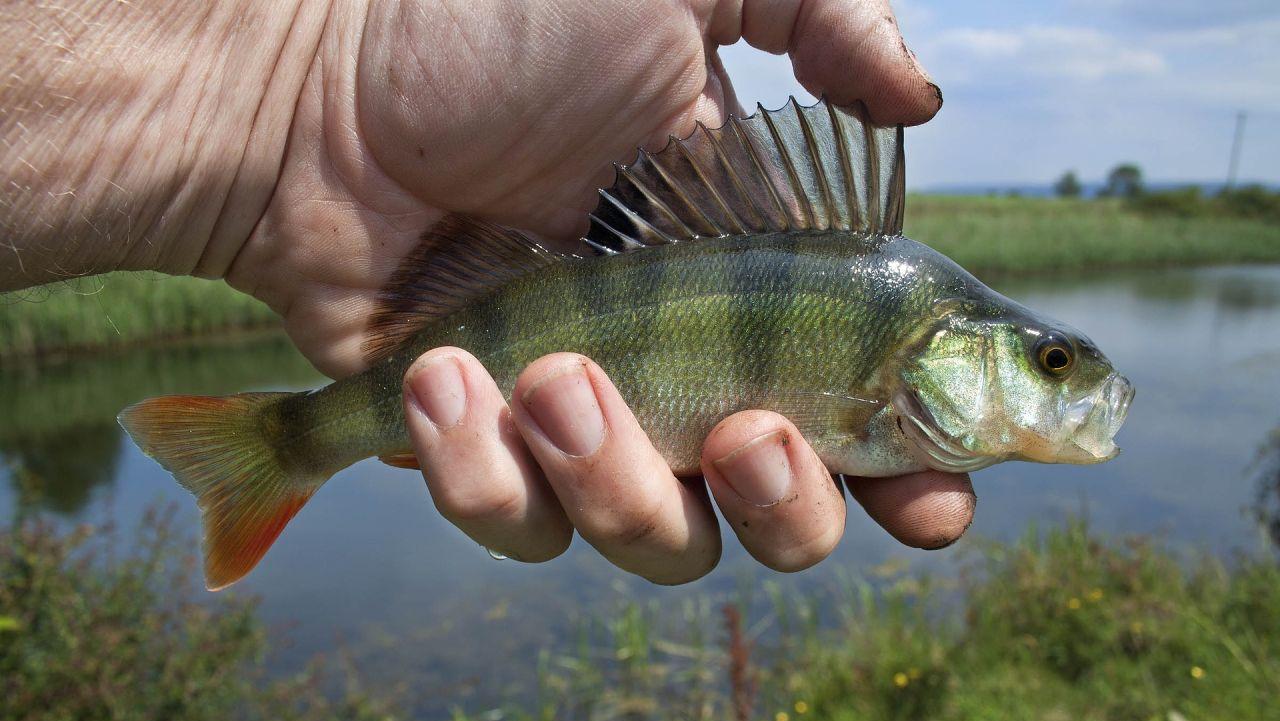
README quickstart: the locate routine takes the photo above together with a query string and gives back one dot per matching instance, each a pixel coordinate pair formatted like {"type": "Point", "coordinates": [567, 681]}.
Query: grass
{"type": "Point", "coordinates": [984, 234]}
{"type": "Point", "coordinates": [1027, 235]}
{"type": "Point", "coordinates": [121, 310]}
{"type": "Point", "coordinates": [1058, 625]}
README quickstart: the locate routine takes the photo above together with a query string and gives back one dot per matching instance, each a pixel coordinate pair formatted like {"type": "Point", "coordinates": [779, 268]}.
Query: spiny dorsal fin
{"type": "Point", "coordinates": [459, 260]}
{"type": "Point", "coordinates": [794, 168]}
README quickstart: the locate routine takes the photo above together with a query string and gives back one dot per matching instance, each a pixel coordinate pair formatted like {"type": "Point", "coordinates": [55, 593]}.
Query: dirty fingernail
{"type": "Point", "coordinates": [759, 470]}
{"type": "Point", "coordinates": [564, 406]}
{"type": "Point", "coordinates": [440, 391]}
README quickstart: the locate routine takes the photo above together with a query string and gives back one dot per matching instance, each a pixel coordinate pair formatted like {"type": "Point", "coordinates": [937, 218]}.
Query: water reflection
{"type": "Point", "coordinates": [57, 422]}
{"type": "Point", "coordinates": [59, 470]}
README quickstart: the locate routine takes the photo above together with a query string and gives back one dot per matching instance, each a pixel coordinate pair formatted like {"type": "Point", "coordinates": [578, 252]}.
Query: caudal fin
{"type": "Point", "coordinates": [219, 449]}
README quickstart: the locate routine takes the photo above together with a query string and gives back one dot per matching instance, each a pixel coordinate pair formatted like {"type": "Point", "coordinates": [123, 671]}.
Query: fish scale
{"type": "Point", "coordinates": [759, 265]}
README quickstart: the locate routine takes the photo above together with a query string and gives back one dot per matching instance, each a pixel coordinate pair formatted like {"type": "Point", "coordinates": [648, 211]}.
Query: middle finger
{"type": "Point", "coordinates": [615, 487]}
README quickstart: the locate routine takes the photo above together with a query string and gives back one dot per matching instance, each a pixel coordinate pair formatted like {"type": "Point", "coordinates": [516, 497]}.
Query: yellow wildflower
{"type": "Point", "coordinates": [1197, 672]}
{"type": "Point", "coordinates": [1095, 595]}
{"type": "Point", "coordinates": [802, 707]}
{"type": "Point", "coordinates": [1073, 603]}
{"type": "Point", "coordinates": [782, 716]}
{"type": "Point", "coordinates": [900, 680]}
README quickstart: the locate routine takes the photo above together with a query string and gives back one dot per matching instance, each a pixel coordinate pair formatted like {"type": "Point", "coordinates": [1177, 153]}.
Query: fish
{"type": "Point", "coordinates": [758, 265]}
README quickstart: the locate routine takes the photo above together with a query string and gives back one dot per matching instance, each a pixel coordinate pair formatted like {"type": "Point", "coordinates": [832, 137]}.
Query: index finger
{"type": "Point", "coordinates": [846, 50]}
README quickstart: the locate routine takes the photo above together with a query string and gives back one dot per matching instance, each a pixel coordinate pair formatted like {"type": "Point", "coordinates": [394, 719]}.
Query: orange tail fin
{"type": "Point", "coordinates": [219, 450]}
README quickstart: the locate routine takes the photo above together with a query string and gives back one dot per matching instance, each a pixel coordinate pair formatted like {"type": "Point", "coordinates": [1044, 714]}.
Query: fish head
{"type": "Point", "coordinates": [984, 388]}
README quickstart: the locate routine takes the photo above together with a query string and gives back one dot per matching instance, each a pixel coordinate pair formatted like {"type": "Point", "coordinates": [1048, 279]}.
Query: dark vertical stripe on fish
{"type": "Point", "coordinates": [757, 342]}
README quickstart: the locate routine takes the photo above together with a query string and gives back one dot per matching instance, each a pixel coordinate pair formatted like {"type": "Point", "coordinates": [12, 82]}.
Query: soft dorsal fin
{"type": "Point", "coordinates": [795, 168]}
{"type": "Point", "coordinates": [459, 260]}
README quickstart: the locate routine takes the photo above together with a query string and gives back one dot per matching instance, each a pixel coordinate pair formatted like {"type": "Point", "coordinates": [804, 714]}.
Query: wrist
{"type": "Point", "coordinates": [144, 135]}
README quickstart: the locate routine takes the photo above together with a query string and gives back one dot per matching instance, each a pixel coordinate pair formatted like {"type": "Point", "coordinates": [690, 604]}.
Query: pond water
{"type": "Point", "coordinates": [370, 567]}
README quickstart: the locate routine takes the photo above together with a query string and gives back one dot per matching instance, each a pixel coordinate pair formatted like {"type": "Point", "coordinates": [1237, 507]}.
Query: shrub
{"type": "Point", "coordinates": [89, 633]}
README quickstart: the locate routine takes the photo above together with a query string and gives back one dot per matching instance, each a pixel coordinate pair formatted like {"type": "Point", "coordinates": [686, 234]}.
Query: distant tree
{"type": "Point", "coordinates": [1068, 186]}
{"type": "Point", "coordinates": [1124, 181]}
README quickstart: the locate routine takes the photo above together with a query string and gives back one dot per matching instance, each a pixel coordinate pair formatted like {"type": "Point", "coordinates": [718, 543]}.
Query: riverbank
{"type": "Point", "coordinates": [122, 310]}
{"type": "Point", "coordinates": [1064, 623]}
{"type": "Point", "coordinates": [988, 235]}
{"type": "Point", "coordinates": [1000, 235]}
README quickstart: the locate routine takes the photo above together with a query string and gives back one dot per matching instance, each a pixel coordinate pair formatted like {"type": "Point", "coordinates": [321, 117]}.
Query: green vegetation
{"type": "Point", "coordinates": [984, 234]}
{"type": "Point", "coordinates": [1068, 186]}
{"type": "Point", "coordinates": [86, 634]}
{"type": "Point", "coordinates": [121, 309]}
{"type": "Point", "coordinates": [1022, 235]}
{"type": "Point", "coordinates": [1250, 202]}
{"type": "Point", "coordinates": [1124, 181]}
{"type": "Point", "coordinates": [1060, 624]}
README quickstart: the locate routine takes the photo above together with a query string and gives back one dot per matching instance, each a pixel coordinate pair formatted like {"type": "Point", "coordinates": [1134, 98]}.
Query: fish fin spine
{"type": "Point", "coordinates": [795, 168]}
{"type": "Point", "coordinates": [221, 449]}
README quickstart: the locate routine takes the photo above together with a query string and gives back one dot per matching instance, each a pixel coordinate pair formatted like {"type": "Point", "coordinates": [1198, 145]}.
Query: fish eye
{"type": "Point", "coordinates": [1056, 356]}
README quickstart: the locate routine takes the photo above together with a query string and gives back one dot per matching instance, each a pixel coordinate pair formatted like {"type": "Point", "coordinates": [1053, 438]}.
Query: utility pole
{"type": "Point", "coordinates": [1235, 150]}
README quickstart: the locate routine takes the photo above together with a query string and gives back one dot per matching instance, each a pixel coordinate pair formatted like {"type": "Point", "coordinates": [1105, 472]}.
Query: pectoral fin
{"type": "Point", "coordinates": [822, 414]}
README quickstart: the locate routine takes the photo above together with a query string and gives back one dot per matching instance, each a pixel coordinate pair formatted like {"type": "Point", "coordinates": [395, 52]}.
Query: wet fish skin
{"type": "Point", "coordinates": [689, 333]}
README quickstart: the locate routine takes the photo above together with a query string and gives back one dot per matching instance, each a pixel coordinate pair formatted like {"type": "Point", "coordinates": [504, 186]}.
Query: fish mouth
{"type": "Point", "coordinates": [929, 443]}
{"type": "Point", "coordinates": [1086, 434]}
{"type": "Point", "coordinates": [1090, 424]}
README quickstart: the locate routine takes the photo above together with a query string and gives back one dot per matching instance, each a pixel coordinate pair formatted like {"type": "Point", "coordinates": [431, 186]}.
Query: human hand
{"type": "Point", "coordinates": [513, 112]}
{"type": "Point", "coordinates": [568, 454]}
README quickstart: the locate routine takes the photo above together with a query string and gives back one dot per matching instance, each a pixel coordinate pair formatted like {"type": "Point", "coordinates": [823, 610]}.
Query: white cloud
{"type": "Point", "coordinates": [1075, 53]}
{"type": "Point", "coordinates": [983, 43]}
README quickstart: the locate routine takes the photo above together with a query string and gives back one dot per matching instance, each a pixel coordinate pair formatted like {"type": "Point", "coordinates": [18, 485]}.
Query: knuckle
{"type": "Point", "coordinates": [469, 507]}
{"type": "Point", "coordinates": [623, 524]}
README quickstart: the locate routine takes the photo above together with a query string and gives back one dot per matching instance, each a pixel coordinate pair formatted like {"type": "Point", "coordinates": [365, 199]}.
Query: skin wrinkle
{"type": "Point", "coordinates": [221, 235]}
{"type": "Point", "coordinates": [148, 72]}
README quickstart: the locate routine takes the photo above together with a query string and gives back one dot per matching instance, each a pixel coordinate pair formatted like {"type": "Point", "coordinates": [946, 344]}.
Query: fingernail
{"type": "Point", "coordinates": [759, 470]}
{"type": "Point", "coordinates": [438, 388]}
{"type": "Point", "coordinates": [564, 406]}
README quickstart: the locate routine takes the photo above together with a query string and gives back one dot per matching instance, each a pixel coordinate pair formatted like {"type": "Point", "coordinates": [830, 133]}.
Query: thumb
{"type": "Point", "coordinates": [847, 50]}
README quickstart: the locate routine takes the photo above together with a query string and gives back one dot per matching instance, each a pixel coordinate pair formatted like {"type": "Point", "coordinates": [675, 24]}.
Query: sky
{"type": "Point", "coordinates": [1033, 89]}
